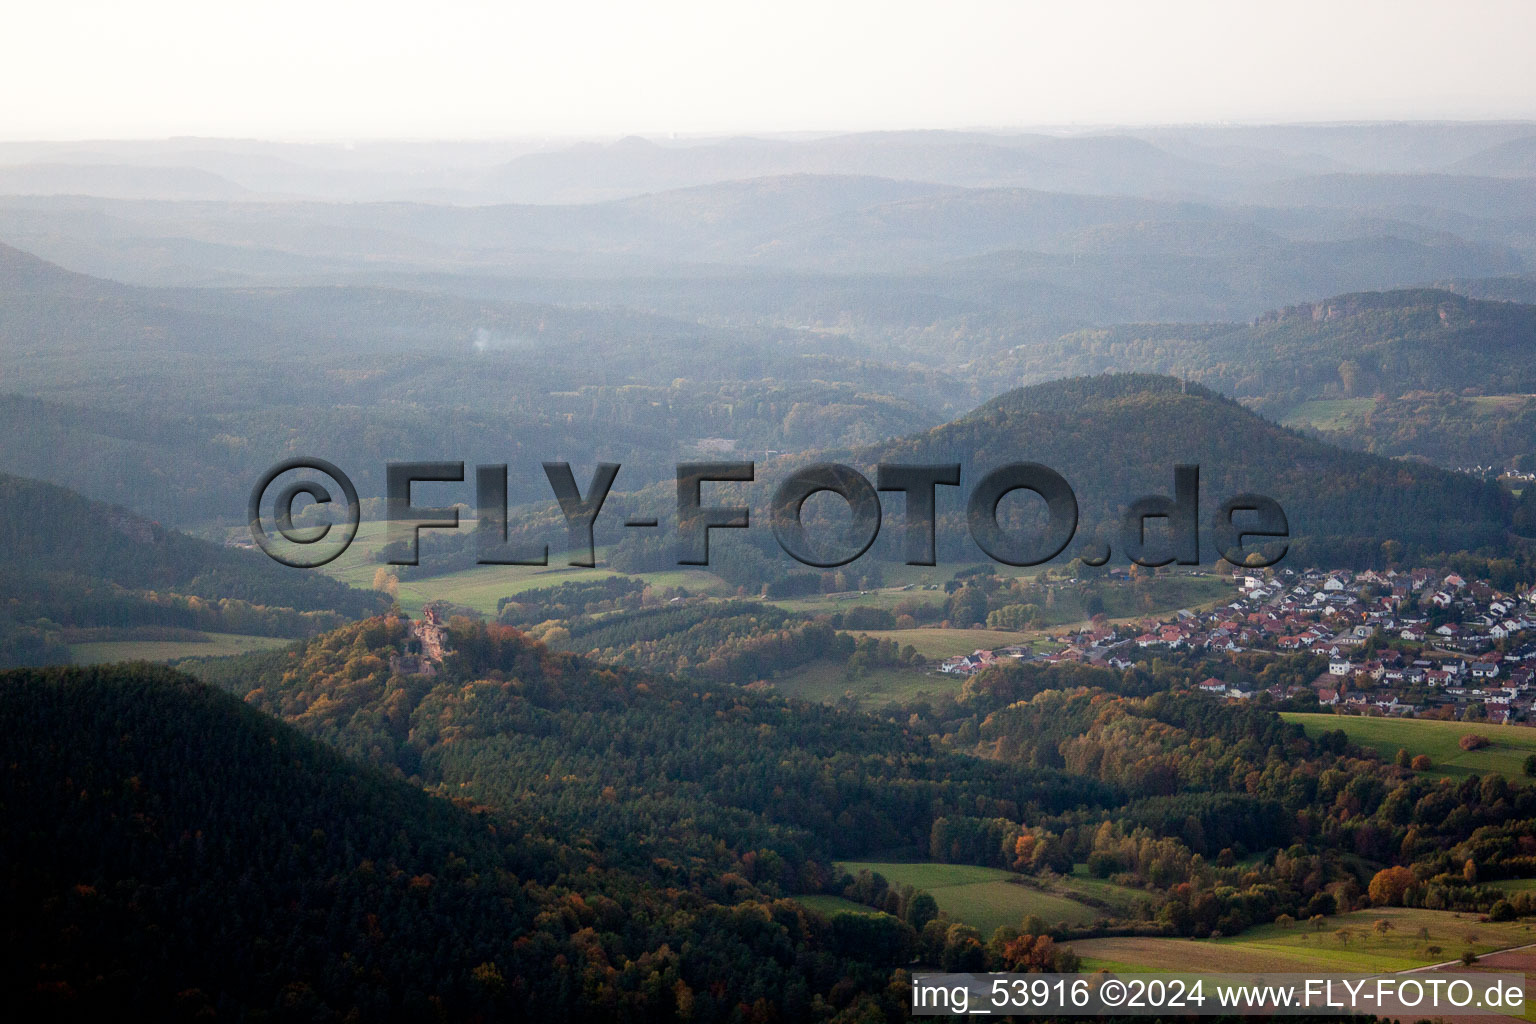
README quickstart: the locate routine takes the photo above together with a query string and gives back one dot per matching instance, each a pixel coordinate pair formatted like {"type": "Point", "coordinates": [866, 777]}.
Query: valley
{"type": "Point", "coordinates": [758, 790]}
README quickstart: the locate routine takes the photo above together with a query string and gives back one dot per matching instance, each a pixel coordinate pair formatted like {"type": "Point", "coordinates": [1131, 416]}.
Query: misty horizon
{"type": "Point", "coordinates": [472, 70]}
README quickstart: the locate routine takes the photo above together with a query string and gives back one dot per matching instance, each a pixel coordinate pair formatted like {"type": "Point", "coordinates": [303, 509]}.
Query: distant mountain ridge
{"type": "Point", "coordinates": [1353, 345]}
{"type": "Point", "coordinates": [123, 181]}
{"type": "Point", "coordinates": [1165, 159]}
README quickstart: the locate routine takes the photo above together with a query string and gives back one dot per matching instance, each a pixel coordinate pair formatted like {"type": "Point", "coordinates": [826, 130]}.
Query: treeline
{"type": "Point", "coordinates": [573, 600]}
{"type": "Point", "coordinates": [727, 642]}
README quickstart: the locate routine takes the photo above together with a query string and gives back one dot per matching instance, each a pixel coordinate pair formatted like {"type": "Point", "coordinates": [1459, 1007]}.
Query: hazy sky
{"type": "Point", "coordinates": [466, 69]}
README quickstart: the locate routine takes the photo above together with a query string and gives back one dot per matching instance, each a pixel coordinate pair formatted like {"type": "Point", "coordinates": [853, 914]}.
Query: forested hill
{"type": "Point", "coordinates": [73, 563]}
{"type": "Point", "coordinates": [1118, 437]}
{"type": "Point", "coordinates": [1411, 340]}
{"type": "Point", "coordinates": [168, 849]}
{"type": "Point", "coordinates": [683, 779]}
{"type": "Point", "coordinates": [1347, 346]}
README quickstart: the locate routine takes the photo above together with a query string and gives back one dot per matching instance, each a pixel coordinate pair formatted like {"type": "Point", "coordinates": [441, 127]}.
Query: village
{"type": "Point", "coordinates": [1412, 642]}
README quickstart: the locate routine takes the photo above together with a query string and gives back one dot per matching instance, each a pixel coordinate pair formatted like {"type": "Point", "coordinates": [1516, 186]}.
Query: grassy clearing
{"type": "Point", "coordinates": [887, 599]}
{"type": "Point", "coordinates": [1505, 755]}
{"type": "Point", "coordinates": [1301, 948]}
{"type": "Point", "coordinates": [1122, 898]}
{"type": "Point", "coordinates": [1515, 885]}
{"type": "Point", "coordinates": [1166, 593]}
{"type": "Point", "coordinates": [902, 583]}
{"type": "Point", "coordinates": [355, 566]}
{"type": "Point", "coordinates": [830, 905]}
{"type": "Point", "coordinates": [988, 906]}
{"type": "Point", "coordinates": [828, 681]}
{"type": "Point", "coordinates": [1497, 405]}
{"type": "Point", "coordinates": [1334, 414]}
{"type": "Point", "coordinates": [1121, 600]}
{"type": "Point", "coordinates": [988, 898]}
{"type": "Point", "coordinates": [937, 644]}
{"type": "Point", "coordinates": [213, 645]}
{"type": "Point", "coordinates": [481, 587]}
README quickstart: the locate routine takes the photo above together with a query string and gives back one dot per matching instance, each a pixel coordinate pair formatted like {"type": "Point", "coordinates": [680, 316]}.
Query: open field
{"type": "Point", "coordinates": [213, 645]}
{"type": "Point", "coordinates": [355, 566]}
{"type": "Point", "coordinates": [988, 898]}
{"type": "Point", "coordinates": [827, 681]}
{"type": "Point", "coordinates": [898, 578]}
{"type": "Point", "coordinates": [1493, 405]}
{"type": "Point", "coordinates": [1121, 602]}
{"type": "Point", "coordinates": [1302, 948]}
{"type": "Point", "coordinates": [887, 598]}
{"type": "Point", "coordinates": [1329, 414]}
{"type": "Point", "coordinates": [1515, 885]}
{"type": "Point", "coordinates": [1518, 961]}
{"type": "Point", "coordinates": [481, 587]}
{"type": "Point", "coordinates": [830, 905]}
{"type": "Point", "coordinates": [1124, 900]}
{"type": "Point", "coordinates": [1166, 594]}
{"type": "Point", "coordinates": [936, 644]}
{"type": "Point", "coordinates": [1505, 755]}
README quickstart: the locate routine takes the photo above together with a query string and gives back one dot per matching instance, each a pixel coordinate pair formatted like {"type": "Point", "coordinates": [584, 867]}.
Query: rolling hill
{"type": "Point", "coordinates": [1118, 437]}
{"type": "Point", "coordinates": [1424, 372]}
{"type": "Point", "coordinates": [1348, 346]}
{"type": "Point", "coordinates": [122, 180]}
{"type": "Point", "coordinates": [78, 569]}
{"type": "Point", "coordinates": [172, 402]}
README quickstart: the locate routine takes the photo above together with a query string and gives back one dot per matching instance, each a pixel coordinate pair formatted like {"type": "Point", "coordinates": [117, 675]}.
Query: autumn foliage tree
{"type": "Point", "coordinates": [1035, 954]}
{"type": "Point", "coordinates": [1389, 885]}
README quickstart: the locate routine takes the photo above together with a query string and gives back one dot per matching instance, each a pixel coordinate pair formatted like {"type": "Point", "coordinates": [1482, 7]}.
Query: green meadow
{"type": "Point", "coordinates": [827, 681]}
{"type": "Point", "coordinates": [1505, 755]}
{"type": "Point", "coordinates": [989, 898]}
{"type": "Point", "coordinates": [1329, 414]}
{"type": "Point", "coordinates": [212, 645]}
{"type": "Point", "coordinates": [1416, 938]}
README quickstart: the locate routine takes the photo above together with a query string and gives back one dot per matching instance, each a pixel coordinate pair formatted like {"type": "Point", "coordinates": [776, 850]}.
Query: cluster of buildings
{"type": "Point", "coordinates": [1395, 642]}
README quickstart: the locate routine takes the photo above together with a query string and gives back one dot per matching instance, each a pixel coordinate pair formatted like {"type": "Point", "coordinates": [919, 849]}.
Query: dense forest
{"type": "Point", "coordinates": [171, 850]}
{"type": "Point", "coordinates": [660, 768]}
{"type": "Point", "coordinates": [1024, 769]}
